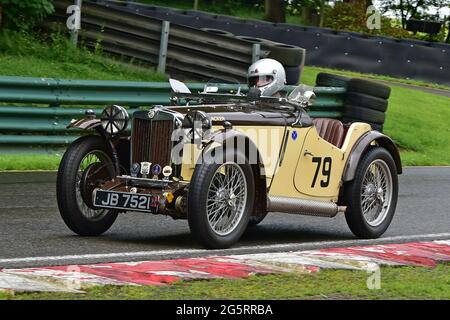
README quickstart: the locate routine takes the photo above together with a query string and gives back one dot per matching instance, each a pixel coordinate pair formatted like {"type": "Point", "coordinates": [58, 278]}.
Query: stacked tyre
{"type": "Point", "coordinates": [291, 57]}
{"type": "Point", "coordinates": [365, 101]}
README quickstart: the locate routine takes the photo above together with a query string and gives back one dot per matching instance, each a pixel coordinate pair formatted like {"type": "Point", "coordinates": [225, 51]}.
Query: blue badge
{"type": "Point", "coordinates": [156, 170]}
{"type": "Point", "coordinates": [294, 135]}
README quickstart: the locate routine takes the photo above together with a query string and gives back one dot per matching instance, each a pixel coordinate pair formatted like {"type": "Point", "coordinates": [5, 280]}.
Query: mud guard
{"type": "Point", "coordinates": [362, 145]}
{"type": "Point", "coordinates": [96, 124]}
{"type": "Point", "coordinates": [228, 136]}
{"type": "Point", "coordinates": [85, 124]}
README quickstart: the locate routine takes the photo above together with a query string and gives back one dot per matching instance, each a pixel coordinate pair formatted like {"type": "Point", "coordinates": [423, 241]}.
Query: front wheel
{"type": "Point", "coordinates": [372, 196]}
{"type": "Point", "coordinates": [220, 202]}
{"type": "Point", "coordinates": [86, 164]}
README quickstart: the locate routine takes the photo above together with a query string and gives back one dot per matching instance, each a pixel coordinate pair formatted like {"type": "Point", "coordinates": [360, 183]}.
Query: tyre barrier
{"type": "Point", "coordinates": [132, 32]}
{"type": "Point", "coordinates": [218, 32]}
{"type": "Point", "coordinates": [403, 58]}
{"type": "Point", "coordinates": [331, 80]}
{"type": "Point", "coordinates": [365, 100]}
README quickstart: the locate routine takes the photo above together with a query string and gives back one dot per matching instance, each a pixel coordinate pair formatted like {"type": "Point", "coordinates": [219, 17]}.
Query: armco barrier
{"type": "Point", "coordinates": [403, 58]}
{"type": "Point", "coordinates": [43, 128]}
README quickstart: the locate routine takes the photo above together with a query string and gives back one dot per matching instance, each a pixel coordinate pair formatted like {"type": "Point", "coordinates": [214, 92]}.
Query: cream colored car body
{"type": "Point", "coordinates": [288, 169]}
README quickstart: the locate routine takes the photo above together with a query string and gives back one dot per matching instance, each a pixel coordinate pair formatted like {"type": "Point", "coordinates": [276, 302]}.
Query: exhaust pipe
{"type": "Point", "coordinates": [303, 207]}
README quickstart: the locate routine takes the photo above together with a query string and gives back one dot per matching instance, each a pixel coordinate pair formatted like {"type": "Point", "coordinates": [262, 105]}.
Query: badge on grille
{"type": "Point", "coordinates": [167, 172]}
{"type": "Point", "coordinates": [151, 114]}
{"type": "Point", "coordinates": [145, 167]}
{"type": "Point", "coordinates": [156, 170]}
{"type": "Point", "coordinates": [135, 169]}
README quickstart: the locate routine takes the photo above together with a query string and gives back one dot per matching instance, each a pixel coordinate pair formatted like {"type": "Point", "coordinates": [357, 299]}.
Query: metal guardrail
{"type": "Point", "coordinates": [43, 128]}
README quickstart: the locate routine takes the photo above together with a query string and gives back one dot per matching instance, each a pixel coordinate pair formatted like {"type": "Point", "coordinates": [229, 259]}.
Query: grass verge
{"type": "Point", "coordinates": [26, 55]}
{"type": "Point", "coordinates": [396, 283]}
{"type": "Point", "coordinates": [29, 162]}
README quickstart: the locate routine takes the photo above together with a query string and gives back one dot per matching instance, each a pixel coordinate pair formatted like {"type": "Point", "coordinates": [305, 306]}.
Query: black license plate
{"type": "Point", "coordinates": [126, 201]}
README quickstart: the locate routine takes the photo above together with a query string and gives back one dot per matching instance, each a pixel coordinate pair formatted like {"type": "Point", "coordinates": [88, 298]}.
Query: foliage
{"type": "Point", "coordinates": [415, 9]}
{"type": "Point", "coordinates": [346, 16]}
{"type": "Point", "coordinates": [25, 14]}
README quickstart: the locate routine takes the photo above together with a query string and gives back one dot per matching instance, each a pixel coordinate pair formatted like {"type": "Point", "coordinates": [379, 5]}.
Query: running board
{"type": "Point", "coordinates": [303, 206]}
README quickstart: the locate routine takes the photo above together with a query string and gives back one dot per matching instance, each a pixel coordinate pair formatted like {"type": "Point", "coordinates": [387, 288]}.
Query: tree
{"type": "Point", "coordinates": [275, 10]}
{"type": "Point", "coordinates": [24, 14]}
{"type": "Point", "coordinates": [412, 9]}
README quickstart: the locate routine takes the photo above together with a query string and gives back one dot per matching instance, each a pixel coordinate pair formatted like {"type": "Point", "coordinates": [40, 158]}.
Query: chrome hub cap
{"type": "Point", "coordinates": [376, 192]}
{"type": "Point", "coordinates": [227, 198]}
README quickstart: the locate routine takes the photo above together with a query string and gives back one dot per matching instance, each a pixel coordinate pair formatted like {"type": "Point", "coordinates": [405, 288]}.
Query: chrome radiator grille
{"type": "Point", "coordinates": [151, 141]}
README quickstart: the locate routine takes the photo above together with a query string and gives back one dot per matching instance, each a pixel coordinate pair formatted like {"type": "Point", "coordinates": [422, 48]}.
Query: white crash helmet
{"type": "Point", "coordinates": [268, 75]}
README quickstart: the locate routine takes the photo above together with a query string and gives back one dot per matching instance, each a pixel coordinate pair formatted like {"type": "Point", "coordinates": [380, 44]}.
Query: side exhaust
{"type": "Point", "coordinates": [303, 207]}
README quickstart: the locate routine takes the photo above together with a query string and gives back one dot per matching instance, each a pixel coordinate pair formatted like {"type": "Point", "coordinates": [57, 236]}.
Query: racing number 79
{"type": "Point", "coordinates": [326, 171]}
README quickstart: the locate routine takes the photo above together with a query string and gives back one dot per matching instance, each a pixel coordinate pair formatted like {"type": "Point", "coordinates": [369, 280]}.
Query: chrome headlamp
{"type": "Point", "coordinates": [114, 119]}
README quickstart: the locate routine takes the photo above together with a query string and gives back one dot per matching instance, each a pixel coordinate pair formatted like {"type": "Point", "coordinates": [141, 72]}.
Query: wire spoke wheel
{"type": "Point", "coordinates": [226, 199]}
{"type": "Point", "coordinates": [93, 157]}
{"type": "Point", "coordinates": [86, 165]}
{"type": "Point", "coordinates": [376, 192]}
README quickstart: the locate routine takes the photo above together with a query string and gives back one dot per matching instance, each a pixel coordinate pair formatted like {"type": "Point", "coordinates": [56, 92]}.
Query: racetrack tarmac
{"type": "Point", "coordinates": [31, 228]}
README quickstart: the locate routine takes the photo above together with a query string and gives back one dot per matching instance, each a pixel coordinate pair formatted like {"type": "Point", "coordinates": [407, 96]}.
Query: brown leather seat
{"type": "Point", "coordinates": [330, 130]}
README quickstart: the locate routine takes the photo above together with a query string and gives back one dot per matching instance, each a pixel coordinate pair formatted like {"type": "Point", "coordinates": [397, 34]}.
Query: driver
{"type": "Point", "coordinates": [268, 76]}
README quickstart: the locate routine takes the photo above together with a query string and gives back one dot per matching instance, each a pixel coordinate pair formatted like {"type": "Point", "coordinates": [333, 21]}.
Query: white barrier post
{"type": "Point", "coordinates": [74, 21]}
{"type": "Point", "coordinates": [256, 52]}
{"type": "Point", "coordinates": [163, 46]}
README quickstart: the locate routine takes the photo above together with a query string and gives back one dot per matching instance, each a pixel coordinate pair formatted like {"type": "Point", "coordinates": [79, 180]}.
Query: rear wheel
{"type": "Point", "coordinates": [220, 201]}
{"type": "Point", "coordinates": [85, 165]}
{"type": "Point", "coordinates": [371, 197]}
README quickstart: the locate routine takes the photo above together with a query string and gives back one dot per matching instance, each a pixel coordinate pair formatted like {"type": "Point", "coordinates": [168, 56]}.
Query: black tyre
{"type": "Point", "coordinates": [220, 201]}
{"type": "Point", "coordinates": [375, 126]}
{"type": "Point", "coordinates": [254, 40]}
{"type": "Point", "coordinates": [331, 80]}
{"type": "Point", "coordinates": [364, 114]}
{"type": "Point", "coordinates": [292, 75]}
{"type": "Point", "coordinates": [87, 154]}
{"type": "Point", "coordinates": [370, 88]}
{"type": "Point", "coordinates": [255, 220]}
{"type": "Point", "coordinates": [371, 198]}
{"type": "Point", "coordinates": [219, 32]}
{"type": "Point", "coordinates": [287, 55]}
{"type": "Point", "coordinates": [360, 99]}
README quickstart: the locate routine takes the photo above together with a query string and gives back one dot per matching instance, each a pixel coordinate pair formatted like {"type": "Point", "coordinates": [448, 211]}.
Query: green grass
{"type": "Point", "coordinates": [310, 74]}
{"type": "Point", "coordinates": [26, 55]}
{"type": "Point", "coordinates": [419, 123]}
{"type": "Point", "coordinates": [29, 162]}
{"type": "Point", "coordinates": [396, 283]}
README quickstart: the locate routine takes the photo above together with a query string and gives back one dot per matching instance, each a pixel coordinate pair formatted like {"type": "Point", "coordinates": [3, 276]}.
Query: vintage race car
{"type": "Point", "coordinates": [223, 161]}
